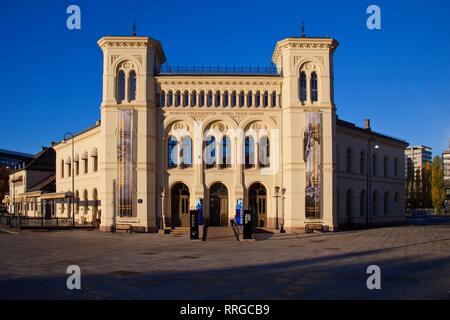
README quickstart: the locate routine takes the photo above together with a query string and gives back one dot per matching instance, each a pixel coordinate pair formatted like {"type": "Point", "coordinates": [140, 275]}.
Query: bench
{"type": "Point", "coordinates": [310, 227]}
{"type": "Point", "coordinates": [123, 227]}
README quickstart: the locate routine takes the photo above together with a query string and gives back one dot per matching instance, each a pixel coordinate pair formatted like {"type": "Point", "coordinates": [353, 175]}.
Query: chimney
{"type": "Point", "coordinates": [367, 124]}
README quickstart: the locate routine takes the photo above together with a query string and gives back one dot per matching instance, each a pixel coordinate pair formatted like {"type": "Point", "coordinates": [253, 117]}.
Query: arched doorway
{"type": "Point", "coordinates": [95, 216]}
{"type": "Point", "coordinates": [257, 195]}
{"type": "Point", "coordinates": [218, 205]}
{"type": "Point", "coordinates": [180, 205]}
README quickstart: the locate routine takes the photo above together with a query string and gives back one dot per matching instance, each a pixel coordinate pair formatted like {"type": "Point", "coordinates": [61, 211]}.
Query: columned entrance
{"type": "Point", "coordinates": [258, 204]}
{"type": "Point", "coordinates": [218, 205]}
{"type": "Point", "coordinates": [180, 205]}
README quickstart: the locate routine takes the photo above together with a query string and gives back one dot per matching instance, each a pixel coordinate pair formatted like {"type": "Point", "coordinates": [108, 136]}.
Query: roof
{"type": "Point", "coordinates": [43, 161]}
{"type": "Point", "coordinates": [16, 153]}
{"type": "Point", "coordinates": [97, 124]}
{"type": "Point", "coordinates": [48, 185]}
{"type": "Point", "coordinates": [368, 131]}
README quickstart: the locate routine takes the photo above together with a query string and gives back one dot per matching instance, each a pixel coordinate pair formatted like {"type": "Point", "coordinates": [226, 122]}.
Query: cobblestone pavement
{"type": "Point", "coordinates": [414, 262]}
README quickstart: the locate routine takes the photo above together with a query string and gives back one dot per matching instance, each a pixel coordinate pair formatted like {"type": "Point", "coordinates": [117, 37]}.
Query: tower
{"type": "Point", "coordinates": [127, 160]}
{"type": "Point", "coordinates": [308, 129]}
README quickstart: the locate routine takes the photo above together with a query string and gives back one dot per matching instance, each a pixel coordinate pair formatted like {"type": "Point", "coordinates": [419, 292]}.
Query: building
{"type": "Point", "coordinates": [14, 160]}
{"type": "Point", "coordinates": [446, 167]}
{"type": "Point", "coordinates": [416, 157]}
{"type": "Point", "coordinates": [29, 185]}
{"type": "Point", "coordinates": [172, 139]}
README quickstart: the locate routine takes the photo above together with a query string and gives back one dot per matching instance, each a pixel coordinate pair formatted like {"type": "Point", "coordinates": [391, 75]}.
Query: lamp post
{"type": "Point", "coordinates": [283, 191]}
{"type": "Point", "coordinates": [369, 178]}
{"type": "Point", "coordinates": [73, 178]}
{"type": "Point", "coordinates": [276, 196]}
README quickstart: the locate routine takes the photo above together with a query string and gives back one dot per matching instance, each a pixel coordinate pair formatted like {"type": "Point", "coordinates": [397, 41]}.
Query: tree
{"type": "Point", "coordinates": [437, 184]}
{"type": "Point", "coordinates": [426, 185]}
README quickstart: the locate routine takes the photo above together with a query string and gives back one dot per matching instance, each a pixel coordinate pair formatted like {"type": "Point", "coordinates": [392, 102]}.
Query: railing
{"type": "Point", "coordinates": [245, 70]}
{"type": "Point", "coordinates": [23, 222]}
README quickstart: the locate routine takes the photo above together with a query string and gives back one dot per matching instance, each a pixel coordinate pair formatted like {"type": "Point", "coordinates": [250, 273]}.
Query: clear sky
{"type": "Point", "coordinates": [398, 76]}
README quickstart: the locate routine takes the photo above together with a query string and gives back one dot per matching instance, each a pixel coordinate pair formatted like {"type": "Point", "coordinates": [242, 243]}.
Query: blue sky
{"type": "Point", "coordinates": [398, 76]}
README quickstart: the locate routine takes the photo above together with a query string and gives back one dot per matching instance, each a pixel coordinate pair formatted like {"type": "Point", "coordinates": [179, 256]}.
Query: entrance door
{"type": "Point", "coordinates": [218, 205]}
{"type": "Point", "coordinates": [180, 205]}
{"type": "Point", "coordinates": [258, 205]}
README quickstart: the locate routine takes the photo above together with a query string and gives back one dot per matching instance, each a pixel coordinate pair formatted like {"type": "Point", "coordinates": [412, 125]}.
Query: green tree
{"type": "Point", "coordinates": [437, 184]}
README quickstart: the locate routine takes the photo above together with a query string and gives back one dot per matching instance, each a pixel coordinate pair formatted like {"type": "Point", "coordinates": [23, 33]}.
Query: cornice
{"type": "Point", "coordinates": [213, 82]}
{"type": "Point", "coordinates": [304, 43]}
{"type": "Point", "coordinates": [131, 43]}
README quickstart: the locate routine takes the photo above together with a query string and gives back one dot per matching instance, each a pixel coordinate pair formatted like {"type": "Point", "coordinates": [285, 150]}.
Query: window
{"type": "Point", "coordinates": [172, 152]}
{"type": "Point", "coordinates": [374, 203]}
{"type": "Point", "coordinates": [385, 162]}
{"type": "Point", "coordinates": [362, 162]}
{"type": "Point", "coordinates": [264, 152]}
{"type": "Point", "coordinates": [120, 86]}
{"type": "Point", "coordinates": [274, 99]}
{"type": "Point", "coordinates": [210, 99]}
{"type": "Point", "coordinates": [185, 99]}
{"type": "Point", "coordinates": [362, 203]}
{"type": "Point", "coordinates": [202, 98]}
{"type": "Point", "coordinates": [349, 160]}
{"type": "Point", "coordinates": [302, 86]}
{"type": "Point", "coordinates": [314, 91]}
{"type": "Point", "coordinates": [225, 99]}
{"type": "Point", "coordinates": [396, 197]}
{"type": "Point", "coordinates": [241, 99]}
{"type": "Point", "coordinates": [69, 169]}
{"type": "Point", "coordinates": [86, 167]}
{"type": "Point", "coordinates": [62, 168]}
{"type": "Point", "coordinates": [163, 99]}
{"type": "Point", "coordinates": [349, 205]}
{"type": "Point", "coordinates": [95, 163]}
{"type": "Point", "coordinates": [210, 156]}
{"type": "Point", "coordinates": [249, 99]}
{"type": "Point", "coordinates": [386, 203]}
{"type": "Point", "coordinates": [77, 167]}
{"type": "Point", "coordinates": [132, 86]}
{"type": "Point", "coordinates": [177, 99]}
{"type": "Point", "coordinates": [258, 99]}
{"type": "Point", "coordinates": [233, 99]}
{"type": "Point", "coordinates": [217, 100]}
{"type": "Point", "coordinates": [170, 98]}
{"type": "Point", "coordinates": [194, 98]}
{"type": "Point", "coordinates": [266, 99]}
{"type": "Point", "coordinates": [374, 164]}
{"type": "Point", "coordinates": [187, 151]}
{"type": "Point", "coordinates": [226, 152]}
{"type": "Point", "coordinates": [396, 167]}
{"type": "Point", "coordinates": [249, 152]}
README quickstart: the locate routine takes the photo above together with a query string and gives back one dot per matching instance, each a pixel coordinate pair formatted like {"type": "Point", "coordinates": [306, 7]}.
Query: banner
{"type": "Point", "coordinates": [125, 163]}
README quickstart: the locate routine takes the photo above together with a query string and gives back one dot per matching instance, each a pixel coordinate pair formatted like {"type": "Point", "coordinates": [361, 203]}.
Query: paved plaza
{"type": "Point", "coordinates": [414, 262]}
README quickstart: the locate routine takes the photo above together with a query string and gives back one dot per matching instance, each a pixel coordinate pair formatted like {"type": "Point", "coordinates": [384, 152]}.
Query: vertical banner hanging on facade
{"type": "Point", "coordinates": [125, 163]}
{"type": "Point", "coordinates": [313, 158]}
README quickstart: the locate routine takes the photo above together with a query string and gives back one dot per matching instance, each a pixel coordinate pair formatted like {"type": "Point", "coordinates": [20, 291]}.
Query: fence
{"type": "Point", "coordinates": [246, 70]}
{"type": "Point", "coordinates": [22, 222]}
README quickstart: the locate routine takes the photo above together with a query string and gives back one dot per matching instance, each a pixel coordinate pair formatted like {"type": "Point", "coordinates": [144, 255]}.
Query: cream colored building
{"type": "Point", "coordinates": [169, 138]}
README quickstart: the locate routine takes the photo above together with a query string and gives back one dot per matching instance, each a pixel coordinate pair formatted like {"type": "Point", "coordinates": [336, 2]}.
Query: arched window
{"type": "Point", "coordinates": [202, 98]}
{"type": "Point", "coordinates": [163, 99]}
{"type": "Point", "coordinates": [266, 99]}
{"type": "Point", "coordinates": [274, 99]}
{"type": "Point", "coordinates": [362, 162]}
{"type": "Point", "coordinates": [302, 86]}
{"type": "Point", "coordinates": [241, 99]}
{"type": "Point", "coordinates": [314, 91]}
{"type": "Point", "coordinates": [233, 99]}
{"type": "Point", "coordinates": [77, 165]}
{"type": "Point", "coordinates": [217, 99]}
{"type": "Point", "coordinates": [258, 99]}
{"type": "Point", "coordinates": [210, 156]}
{"type": "Point", "coordinates": [132, 86]}
{"type": "Point", "coordinates": [185, 99]}
{"type": "Point", "coordinates": [172, 152]}
{"type": "Point", "coordinates": [362, 203]}
{"type": "Point", "coordinates": [170, 98]}
{"type": "Point", "coordinates": [386, 203]}
{"type": "Point", "coordinates": [85, 201]}
{"type": "Point", "coordinates": [385, 162]}
{"type": "Point", "coordinates": [226, 152]}
{"type": "Point", "coordinates": [120, 86]}
{"type": "Point", "coordinates": [225, 99]}
{"type": "Point", "coordinates": [374, 164]}
{"type": "Point", "coordinates": [249, 99]}
{"type": "Point", "coordinates": [249, 152]}
{"type": "Point", "coordinates": [374, 203]}
{"type": "Point", "coordinates": [187, 151]}
{"type": "Point", "coordinates": [177, 99]}
{"type": "Point", "coordinates": [349, 205]}
{"type": "Point", "coordinates": [77, 202]}
{"type": "Point", "coordinates": [396, 167]}
{"type": "Point", "coordinates": [194, 98]}
{"type": "Point", "coordinates": [62, 168]}
{"type": "Point", "coordinates": [396, 197]}
{"type": "Point", "coordinates": [349, 160]}
{"type": "Point", "coordinates": [210, 99]}
{"type": "Point", "coordinates": [264, 152]}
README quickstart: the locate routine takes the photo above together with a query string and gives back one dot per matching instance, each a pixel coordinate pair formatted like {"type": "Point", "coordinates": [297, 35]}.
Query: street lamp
{"type": "Point", "coordinates": [73, 178]}
{"type": "Point", "coordinates": [276, 196]}
{"type": "Point", "coordinates": [369, 178]}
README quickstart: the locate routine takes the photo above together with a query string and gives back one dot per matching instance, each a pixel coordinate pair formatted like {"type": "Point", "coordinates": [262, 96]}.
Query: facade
{"type": "Point", "coordinates": [416, 157]}
{"type": "Point", "coordinates": [14, 160]}
{"type": "Point", "coordinates": [173, 139]}
{"type": "Point", "coordinates": [29, 185]}
{"type": "Point", "coordinates": [446, 167]}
